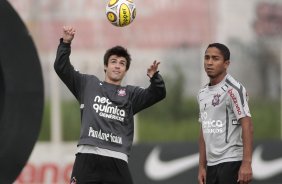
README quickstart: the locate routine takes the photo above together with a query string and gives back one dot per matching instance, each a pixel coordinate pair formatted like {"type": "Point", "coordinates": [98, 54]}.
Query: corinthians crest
{"type": "Point", "coordinates": [121, 92]}
{"type": "Point", "coordinates": [215, 100]}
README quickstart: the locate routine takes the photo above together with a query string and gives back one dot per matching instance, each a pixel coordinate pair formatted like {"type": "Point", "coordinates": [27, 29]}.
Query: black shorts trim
{"type": "Point", "coordinates": [97, 169]}
{"type": "Point", "coordinates": [223, 173]}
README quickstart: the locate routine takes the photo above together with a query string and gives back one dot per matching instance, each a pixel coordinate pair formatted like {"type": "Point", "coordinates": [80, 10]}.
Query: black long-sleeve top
{"type": "Point", "coordinates": [107, 110]}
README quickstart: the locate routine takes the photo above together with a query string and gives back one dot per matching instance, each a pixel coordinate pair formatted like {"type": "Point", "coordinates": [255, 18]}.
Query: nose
{"type": "Point", "coordinates": [209, 61]}
{"type": "Point", "coordinates": [117, 65]}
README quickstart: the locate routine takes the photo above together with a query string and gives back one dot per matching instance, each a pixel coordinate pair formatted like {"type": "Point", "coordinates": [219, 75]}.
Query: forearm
{"type": "Point", "coordinates": [65, 70]}
{"type": "Point", "coordinates": [245, 171]}
{"type": "Point", "coordinates": [158, 85]}
{"type": "Point", "coordinates": [144, 98]}
{"type": "Point", "coordinates": [247, 136]}
{"type": "Point", "coordinates": [202, 152]}
{"type": "Point", "coordinates": [62, 58]}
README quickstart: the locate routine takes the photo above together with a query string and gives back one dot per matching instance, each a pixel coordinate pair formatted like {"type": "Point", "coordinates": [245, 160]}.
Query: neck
{"type": "Point", "coordinates": [118, 83]}
{"type": "Point", "coordinates": [218, 79]}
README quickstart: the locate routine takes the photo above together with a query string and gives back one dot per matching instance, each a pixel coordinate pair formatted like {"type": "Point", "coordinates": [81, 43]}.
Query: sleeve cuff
{"type": "Point", "coordinates": [63, 43]}
{"type": "Point", "coordinates": [155, 76]}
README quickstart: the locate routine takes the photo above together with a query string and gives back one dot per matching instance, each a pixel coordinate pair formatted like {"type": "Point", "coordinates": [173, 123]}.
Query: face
{"type": "Point", "coordinates": [116, 69]}
{"type": "Point", "coordinates": [214, 64]}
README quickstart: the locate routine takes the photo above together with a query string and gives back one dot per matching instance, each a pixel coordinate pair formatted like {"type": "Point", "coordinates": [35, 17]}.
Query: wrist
{"type": "Point", "coordinates": [152, 75]}
{"type": "Point", "coordinates": [247, 161]}
{"type": "Point", "coordinates": [66, 41]}
{"type": "Point", "coordinates": [201, 168]}
{"type": "Point", "coordinates": [202, 165]}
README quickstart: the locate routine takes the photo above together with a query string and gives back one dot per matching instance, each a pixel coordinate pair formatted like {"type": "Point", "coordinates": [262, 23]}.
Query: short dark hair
{"type": "Point", "coordinates": [223, 49]}
{"type": "Point", "coordinates": [118, 51]}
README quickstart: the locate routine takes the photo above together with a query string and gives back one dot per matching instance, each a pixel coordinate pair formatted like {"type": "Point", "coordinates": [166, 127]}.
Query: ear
{"type": "Point", "coordinates": [226, 64]}
{"type": "Point", "coordinates": [105, 68]}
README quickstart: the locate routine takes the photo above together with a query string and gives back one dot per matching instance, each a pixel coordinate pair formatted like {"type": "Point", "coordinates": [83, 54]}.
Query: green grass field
{"type": "Point", "coordinates": [163, 123]}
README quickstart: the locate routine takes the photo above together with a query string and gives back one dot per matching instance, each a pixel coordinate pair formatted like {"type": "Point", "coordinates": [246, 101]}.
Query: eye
{"type": "Point", "coordinates": [113, 61]}
{"type": "Point", "coordinates": [216, 58]}
{"type": "Point", "coordinates": [123, 63]}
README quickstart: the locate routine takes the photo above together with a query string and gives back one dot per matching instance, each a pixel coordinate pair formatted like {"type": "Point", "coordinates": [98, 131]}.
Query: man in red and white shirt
{"type": "Point", "coordinates": [226, 136]}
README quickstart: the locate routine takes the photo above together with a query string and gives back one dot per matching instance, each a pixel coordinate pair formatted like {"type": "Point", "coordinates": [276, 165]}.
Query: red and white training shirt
{"type": "Point", "coordinates": [221, 108]}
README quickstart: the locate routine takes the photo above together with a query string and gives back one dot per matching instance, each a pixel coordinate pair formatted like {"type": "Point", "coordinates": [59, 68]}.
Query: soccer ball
{"type": "Point", "coordinates": [121, 12]}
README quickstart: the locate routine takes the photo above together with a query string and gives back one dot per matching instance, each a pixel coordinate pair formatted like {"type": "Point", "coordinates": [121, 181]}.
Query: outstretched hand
{"type": "Point", "coordinates": [68, 34]}
{"type": "Point", "coordinates": [153, 69]}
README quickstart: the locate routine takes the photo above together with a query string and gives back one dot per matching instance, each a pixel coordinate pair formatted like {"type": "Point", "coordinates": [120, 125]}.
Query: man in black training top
{"type": "Point", "coordinates": [107, 110]}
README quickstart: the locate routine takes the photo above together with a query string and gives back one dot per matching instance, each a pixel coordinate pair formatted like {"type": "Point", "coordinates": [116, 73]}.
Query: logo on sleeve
{"type": "Point", "coordinates": [235, 101]}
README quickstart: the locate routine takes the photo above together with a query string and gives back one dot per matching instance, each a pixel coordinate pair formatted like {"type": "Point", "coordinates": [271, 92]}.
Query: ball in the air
{"type": "Point", "coordinates": [121, 12]}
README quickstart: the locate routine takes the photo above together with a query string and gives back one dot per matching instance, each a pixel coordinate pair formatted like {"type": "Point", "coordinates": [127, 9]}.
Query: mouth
{"type": "Point", "coordinates": [116, 72]}
{"type": "Point", "coordinates": [209, 69]}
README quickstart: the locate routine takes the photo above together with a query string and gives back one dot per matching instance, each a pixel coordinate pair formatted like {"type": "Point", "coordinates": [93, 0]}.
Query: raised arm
{"type": "Point", "coordinates": [144, 98]}
{"type": "Point", "coordinates": [62, 65]}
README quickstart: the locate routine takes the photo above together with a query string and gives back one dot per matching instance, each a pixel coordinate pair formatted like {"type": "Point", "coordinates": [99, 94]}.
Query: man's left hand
{"type": "Point", "coordinates": [153, 69]}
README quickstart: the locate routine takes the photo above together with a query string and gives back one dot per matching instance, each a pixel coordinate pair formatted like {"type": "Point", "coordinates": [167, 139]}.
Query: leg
{"type": "Point", "coordinates": [228, 172]}
{"type": "Point", "coordinates": [84, 170]}
{"type": "Point", "coordinates": [212, 175]}
{"type": "Point", "coordinates": [77, 171]}
{"type": "Point", "coordinates": [117, 172]}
